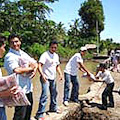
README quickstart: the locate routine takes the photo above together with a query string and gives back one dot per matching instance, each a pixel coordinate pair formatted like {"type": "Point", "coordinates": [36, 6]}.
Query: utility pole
{"type": "Point", "coordinates": [97, 31]}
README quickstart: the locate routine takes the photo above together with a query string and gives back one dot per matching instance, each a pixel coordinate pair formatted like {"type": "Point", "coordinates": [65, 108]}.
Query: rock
{"type": "Point", "coordinates": [94, 94]}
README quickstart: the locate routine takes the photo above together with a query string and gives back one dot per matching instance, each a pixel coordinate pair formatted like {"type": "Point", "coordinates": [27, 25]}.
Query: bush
{"type": "Point", "coordinates": [36, 50]}
{"type": "Point", "coordinates": [65, 52]}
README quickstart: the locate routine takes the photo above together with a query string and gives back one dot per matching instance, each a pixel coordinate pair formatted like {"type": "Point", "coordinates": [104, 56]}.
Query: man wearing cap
{"type": "Point", "coordinates": [70, 75]}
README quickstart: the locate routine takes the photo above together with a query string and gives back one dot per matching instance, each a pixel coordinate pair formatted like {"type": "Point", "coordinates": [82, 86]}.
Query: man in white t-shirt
{"type": "Point", "coordinates": [48, 66]}
{"type": "Point", "coordinates": [106, 77]}
{"type": "Point", "coordinates": [14, 63]}
{"type": "Point", "coordinates": [9, 92]}
{"type": "Point", "coordinates": [70, 74]}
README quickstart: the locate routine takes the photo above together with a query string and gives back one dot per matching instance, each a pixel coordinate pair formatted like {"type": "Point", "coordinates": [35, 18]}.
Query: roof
{"type": "Point", "coordinates": [90, 46]}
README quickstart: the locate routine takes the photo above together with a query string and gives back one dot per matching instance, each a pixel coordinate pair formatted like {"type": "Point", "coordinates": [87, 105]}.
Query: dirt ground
{"type": "Point", "coordinates": [110, 113]}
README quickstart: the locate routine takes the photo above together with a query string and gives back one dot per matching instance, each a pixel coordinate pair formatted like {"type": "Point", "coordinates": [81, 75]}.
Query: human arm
{"type": "Point", "coordinates": [81, 69]}
{"type": "Point", "coordinates": [84, 68]}
{"type": "Point", "coordinates": [9, 92]}
{"type": "Point", "coordinates": [41, 72]}
{"type": "Point", "coordinates": [98, 80]}
{"type": "Point", "coordinates": [58, 68]}
{"type": "Point", "coordinates": [21, 70]}
{"type": "Point", "coordinates": [34, 70]}
{"type": "Point", "coordinates": [98, 77]}
{"type": "Point", "coordinates": [27, 66]}
{"type": "Point", "coordinates": [12, 64]}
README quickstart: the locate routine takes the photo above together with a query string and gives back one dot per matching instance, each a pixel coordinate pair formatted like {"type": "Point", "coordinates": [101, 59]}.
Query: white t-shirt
{"type": "Point", "coordinates": [50, 62]}
{"type": "Point", "coordinates": [14, 59]}
{"type": "Point", "coordinates": [105, 76]}
{"type": "Point", "coordinates": [72, 65]}
{"type": "Point", "coordinates": [1, 104]}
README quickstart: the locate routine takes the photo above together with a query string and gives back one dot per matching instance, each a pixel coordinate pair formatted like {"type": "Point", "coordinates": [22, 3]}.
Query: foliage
{"type": "Point", "coordinates": [91, 13]}
{"type": "Point", "coordinates": [74, 35]}
{"type": "Point", "coordinates": [88, 55]}
{"type": "Point", "coordinates": [36, 50]}
{"type": "Point", "coordinates": [28, 19]}
{"type": "Point", "coordinates": [108, 45]}
{"type": "Point", "coordinates": [1, 62]}
{"type": "Point", "coordinates": [65, 52]}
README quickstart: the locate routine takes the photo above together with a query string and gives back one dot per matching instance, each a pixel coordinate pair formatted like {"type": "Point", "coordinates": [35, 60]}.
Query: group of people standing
{"type": "Point", "coordinates": [114, 60]}
{"type": "Point", "coordinates": [47, 66]}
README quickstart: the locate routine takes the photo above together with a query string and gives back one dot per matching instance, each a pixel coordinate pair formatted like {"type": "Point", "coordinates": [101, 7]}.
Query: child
{"type": "Point", "coordinates": [106, 77]}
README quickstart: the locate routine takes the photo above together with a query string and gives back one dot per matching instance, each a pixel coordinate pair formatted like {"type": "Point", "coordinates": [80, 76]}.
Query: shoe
{"type": "Point", "coordinates": [56, 111]}
{"type": "Point", "coordinates": [110, 105]}
{"type": "Point", "coordinates": [76, 101]}
{"type": "Point", "coordinates": [66, 103]}
{"type": "Point", "coordinates": [33, 118]}
{"type": "Point", "coordinates": [41, 118]}
{"type": "Point", "coordinates": [102, 107]}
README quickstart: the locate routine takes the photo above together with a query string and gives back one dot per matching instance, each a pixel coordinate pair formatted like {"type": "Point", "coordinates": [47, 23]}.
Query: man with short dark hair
{"type": "Point", "coordinates": [17, 61]}
{"type": "Point", "coordinates": [48, 65]}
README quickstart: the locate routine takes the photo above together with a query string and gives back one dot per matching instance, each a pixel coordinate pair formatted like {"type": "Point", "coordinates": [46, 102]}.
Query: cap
{"type": "Point", "coordinates": [83, 48]}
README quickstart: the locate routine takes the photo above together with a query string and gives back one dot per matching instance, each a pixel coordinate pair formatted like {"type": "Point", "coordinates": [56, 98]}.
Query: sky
{"type": "Point", "coordinates": [66, 11]}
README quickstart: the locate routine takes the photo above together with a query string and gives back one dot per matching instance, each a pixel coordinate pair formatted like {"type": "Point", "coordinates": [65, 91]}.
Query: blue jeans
{"type": "Point", "coordinates": [49, 85]}
{"type": "Point", "coordinates": [75, 88]}
{"type": "Point", "coordinates": [2, 114]}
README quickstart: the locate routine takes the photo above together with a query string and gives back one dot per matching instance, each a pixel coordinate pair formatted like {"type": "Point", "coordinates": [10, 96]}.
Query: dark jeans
{"type": "Point", "coordinates": [24, 112]}
{"type": "Point", "coordinates": [108, 93]}
{"type": "Point", "coordinates": [75, 88]}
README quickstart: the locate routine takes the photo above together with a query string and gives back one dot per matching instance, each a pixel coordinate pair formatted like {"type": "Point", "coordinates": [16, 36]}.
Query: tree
{"type": "Point", "coordinates": [74, 35]}
{"type": "Point", "coordinates": [91, 12]}
{"type": "Point", "coordinates": [26, 18]}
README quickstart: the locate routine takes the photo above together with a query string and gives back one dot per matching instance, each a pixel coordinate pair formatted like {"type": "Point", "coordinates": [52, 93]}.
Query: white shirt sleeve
{"type": "Point", "coordinates": [98, 74]}
{"type": "Point", "coordinates": [0, 73]}
{"type": "Point", "coordinates": [11, 63]}
{"type": "Point", "coordinates": [105, 78]}
{"type": "Point", "coordinates": [42, 58]}
{"type": "Point", "coordinates": [58, 62]}
{"type": "Point", "coordinates": [32, 60]}
{"type": "Point", "coordinates": [79, 58]}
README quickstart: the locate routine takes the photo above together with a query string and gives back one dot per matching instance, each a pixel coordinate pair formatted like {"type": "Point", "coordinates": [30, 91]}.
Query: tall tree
{"type": "Point", "coordinates": [74, 35]}
{"type": "Point", "coordinates": [92, 18]}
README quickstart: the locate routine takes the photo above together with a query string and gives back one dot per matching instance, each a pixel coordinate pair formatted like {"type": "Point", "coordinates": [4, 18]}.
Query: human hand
{"type": "Point", "coordinates": [92, 77]}
{"type": "Point", "coordinates": [61, 77]}
{"type": "Point", "coordinates": [33, 74]}
{"type": "Point", "coordinates": [44, 78]}
{"type": "Point", "coordinates": [32, 66]}
{"type": "Point", "coordinates": [11, 91]}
